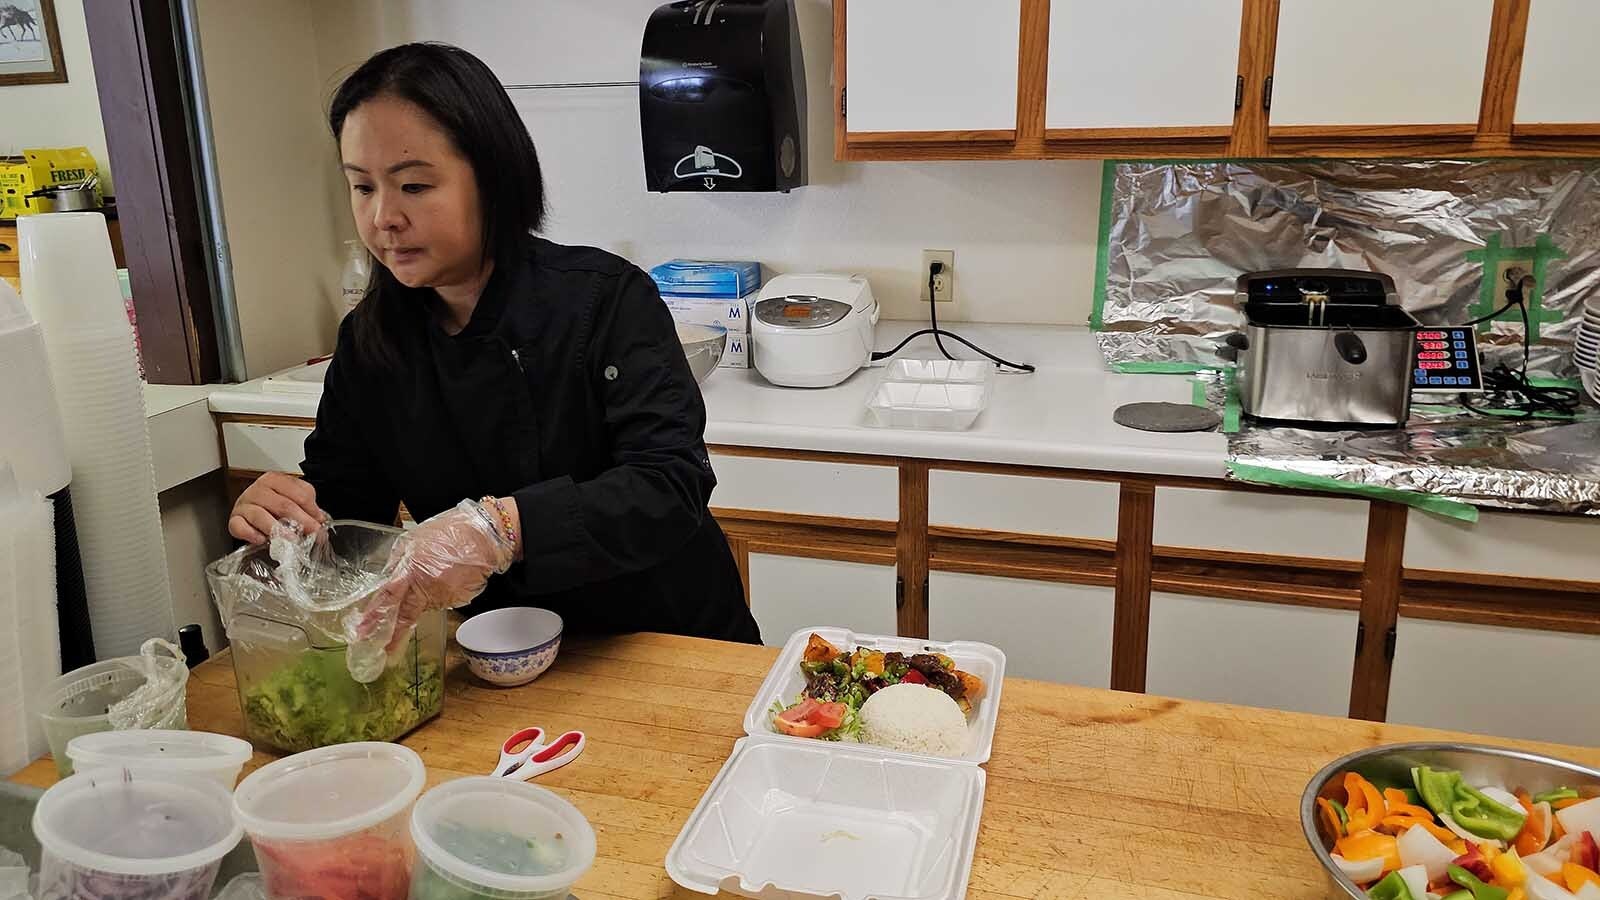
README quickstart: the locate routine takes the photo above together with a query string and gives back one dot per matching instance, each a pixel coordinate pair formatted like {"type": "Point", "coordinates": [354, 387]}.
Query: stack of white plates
{"type": "Point", "coordinates": [1587, 351]}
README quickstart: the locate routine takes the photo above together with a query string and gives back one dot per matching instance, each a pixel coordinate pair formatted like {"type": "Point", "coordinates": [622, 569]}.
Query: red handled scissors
{"type": "Point", "coordinates": [525, 755]}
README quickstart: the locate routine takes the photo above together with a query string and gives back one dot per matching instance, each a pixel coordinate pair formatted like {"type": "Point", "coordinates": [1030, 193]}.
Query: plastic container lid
{"type": "Point", "coordinates": [148, 823]}
{"type": "Point", "coordinates": [329, 792]}
{"type": "Point", "coordinates": [693, 278]}
{"type": "Point", "coordinates": [478, 832]}
{"type": "Point", "coordinates": [195, 753]}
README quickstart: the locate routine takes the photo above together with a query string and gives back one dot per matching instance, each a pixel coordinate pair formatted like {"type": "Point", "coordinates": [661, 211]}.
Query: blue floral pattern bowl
{"type": "Point", "coordinates": [510, 647]}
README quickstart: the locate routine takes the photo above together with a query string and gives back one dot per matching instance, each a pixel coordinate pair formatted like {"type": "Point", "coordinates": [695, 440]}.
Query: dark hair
{"type": "Point", "coordinates": [465, 98]}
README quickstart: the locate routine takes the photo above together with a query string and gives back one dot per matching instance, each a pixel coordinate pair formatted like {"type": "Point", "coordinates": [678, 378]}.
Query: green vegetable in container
{"type": "Point", "coordinates": [497, 851]}
{"type": "Point", "coordinates": [1392, 887]}
{"type": "Point", "coordinates": [1446, 794]}
{"type": "Point", "coordinates": [1480, 890]}
{"type": "Point", "coordinates": [1561, 793]}
{"type": "Point", "coordinates": [313, 702]}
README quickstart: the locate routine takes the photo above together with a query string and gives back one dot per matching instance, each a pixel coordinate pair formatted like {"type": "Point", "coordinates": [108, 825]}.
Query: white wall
{"type": "Point", "coordinates": [273, 155]}
{"type": "Point", "coordinates": [58, 115]}
{"type": "Point", "coordinates": [194, 524]}
{"type": "Point", "coordinates": [1023, 232]}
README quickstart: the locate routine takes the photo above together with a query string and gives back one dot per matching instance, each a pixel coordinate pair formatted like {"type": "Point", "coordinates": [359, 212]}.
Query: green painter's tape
{"type": "Point", "coordinates": [1157, 367]}
{"type": "Point", "coordinates": [1440, 506]}
{"type": "Point", "coordinates": [1541, 381]}
{"type": "Point", "coordinates": [1230, 409]}
{"type": "Point", "coordinates": [1198, 395]}
{"type": "Point", "coordinates": [1491, 411]}
{"type": "Point", "coordinates": [1102, 254]}
{"type": "Point", "coordinates": [1489, 292]}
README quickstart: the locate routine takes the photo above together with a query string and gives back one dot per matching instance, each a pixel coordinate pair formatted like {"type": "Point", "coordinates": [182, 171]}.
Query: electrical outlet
{"type": "Point", "coordinates": [944, 284]}
{"type": "Point", "coordinates": [1507, 273]}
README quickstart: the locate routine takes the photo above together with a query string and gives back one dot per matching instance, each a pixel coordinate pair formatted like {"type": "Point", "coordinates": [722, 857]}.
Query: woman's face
{"type": "Point", "coordinates": [413, 195]}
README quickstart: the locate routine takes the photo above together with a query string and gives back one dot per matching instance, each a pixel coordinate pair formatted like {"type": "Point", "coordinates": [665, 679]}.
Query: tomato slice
{"type": "Point", "coordinates": [912, 676]}
{"type": "Point", "coordinates": [809, 719]}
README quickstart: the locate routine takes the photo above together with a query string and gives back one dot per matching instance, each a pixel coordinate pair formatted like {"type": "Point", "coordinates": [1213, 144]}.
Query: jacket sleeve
{"type": "Point", "coordinates": [340, 461]}
{"type": "Point", "coordinates": [652, 497]}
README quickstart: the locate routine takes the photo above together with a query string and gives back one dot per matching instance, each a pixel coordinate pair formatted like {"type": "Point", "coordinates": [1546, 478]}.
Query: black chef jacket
{"type": "Point", "coordinates": [569, 391]}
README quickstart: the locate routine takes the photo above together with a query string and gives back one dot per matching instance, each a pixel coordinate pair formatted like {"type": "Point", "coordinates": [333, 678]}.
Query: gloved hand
{"type": "Point", "coordinates": [443, 563]}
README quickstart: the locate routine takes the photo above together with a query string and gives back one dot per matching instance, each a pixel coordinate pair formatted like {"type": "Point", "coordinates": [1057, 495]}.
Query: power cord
{"type": "Point", "coordinates": [939, 334]}
{"type": "Point", "coordinates": [1509, 389]}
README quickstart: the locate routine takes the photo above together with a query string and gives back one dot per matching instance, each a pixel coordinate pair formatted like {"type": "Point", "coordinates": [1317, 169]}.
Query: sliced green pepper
{"type": "Point", "coordinates": [1561, 793]}
{"type": "Point", "coordinates": [1480, 891]}
{"type": "Point", "coordinates": [1446, 794]}
{"type": "Point", "coordinates": [1462, 894]}
{"type": "Point", "coordinates": [1339, 810]}
{"type": "Point", "coordinates": [1392, 887]}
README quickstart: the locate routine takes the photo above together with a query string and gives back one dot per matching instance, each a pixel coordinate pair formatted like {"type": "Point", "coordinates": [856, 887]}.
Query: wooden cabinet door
{"type": "Point", "coordinates": [1048, 631]}
{"type": "Point", "coordinates": [788, 593]}
{"type": "Point", "coordinates": [930, 70]}
{"type": "Point", "coordinates": [1379, 67]}
{"type": "Point", "coordinates": [1142, 68]}
{"type": "Point", "coordinates": [1559, 91]}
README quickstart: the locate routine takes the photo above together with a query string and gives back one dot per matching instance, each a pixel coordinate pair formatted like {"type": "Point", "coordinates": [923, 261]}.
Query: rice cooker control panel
{"type": "Point", "coordinates": [800, 311]}
{"type": "Point", "coordinates": [1446, 361]}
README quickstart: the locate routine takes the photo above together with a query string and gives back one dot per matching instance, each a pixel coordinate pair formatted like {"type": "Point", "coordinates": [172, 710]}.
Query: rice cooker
{"type": "Point", "coordinates": [813, 330]}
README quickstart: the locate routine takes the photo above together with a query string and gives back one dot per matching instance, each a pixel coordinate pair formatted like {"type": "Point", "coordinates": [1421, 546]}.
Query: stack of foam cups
{"type": "Point", "coordinates": [69, 283]}
{"type": "Point", "coordinates": [29, 653]}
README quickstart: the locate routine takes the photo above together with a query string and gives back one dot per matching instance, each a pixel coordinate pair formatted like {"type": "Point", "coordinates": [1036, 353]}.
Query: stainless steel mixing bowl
{"type": "Point", "coordinates": [703, 345]}
{"type": "Point", "coordinates": [1392, 764]}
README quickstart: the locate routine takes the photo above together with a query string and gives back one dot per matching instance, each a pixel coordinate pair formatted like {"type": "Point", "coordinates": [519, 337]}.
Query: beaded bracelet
{"type": "Point", "coordinates": [508, 530]}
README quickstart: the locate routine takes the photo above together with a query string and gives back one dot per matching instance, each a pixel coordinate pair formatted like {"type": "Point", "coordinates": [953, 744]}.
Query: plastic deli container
{"type": "Point", "coordinates": [496, 838]}
{"type": "Point", "coordinates": [198, 754]}
{"type": "Point", "coordinates": [292, 669]}
{"type": "Point", "coordinates": [334, 822]}
{"type": "Point", "coordinates": [873, 822]}
{"type": "Point", "coordinates": [111, 833]}
{"type": "Point", "coordinates": [80, 701]}
{"type": "Point", "coordinates": [932, 394]}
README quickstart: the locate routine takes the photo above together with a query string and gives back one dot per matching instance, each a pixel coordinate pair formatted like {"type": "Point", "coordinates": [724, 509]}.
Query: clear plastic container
{"type": "Point", "coordinates": [293, 674]}
{"type": "Point", "coordinates": [110, 833]}
{"type": "Point", "coordinates": [79, 702]}
{"type": "Point", "coordinates": [481, 838]}
{"type": "Point", "coordinates": [932, 394]}
{"type": "Point", "coordinates": [814, 819]}
{"type": "Point", "coordinates": [334, 822]}
{"type": "Point", "coordinates": [197, 754]}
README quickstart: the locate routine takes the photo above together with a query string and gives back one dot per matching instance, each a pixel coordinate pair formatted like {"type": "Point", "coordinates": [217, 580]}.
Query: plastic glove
{"type": "Point", "coordinates": [443, 563]}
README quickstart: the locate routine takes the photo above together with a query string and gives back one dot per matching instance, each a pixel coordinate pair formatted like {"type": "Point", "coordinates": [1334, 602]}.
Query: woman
{"type": "Point", "coordinates": [488, 363]}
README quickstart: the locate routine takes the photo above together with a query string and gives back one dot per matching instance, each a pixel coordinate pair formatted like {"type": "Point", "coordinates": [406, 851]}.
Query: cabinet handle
{"type": "Point", "coordinates": [1389, 640]}
{"type": "Point", "coordinates": [1266, 93]}
{"type": "Point", "coordinates": [1361, 637]}
{"type": "Point", "coordinates": [844, 110]}
{"type": "Point", "coordinates": [1238, 92]}
{"type": "Point", "coordinates": [899, 592]}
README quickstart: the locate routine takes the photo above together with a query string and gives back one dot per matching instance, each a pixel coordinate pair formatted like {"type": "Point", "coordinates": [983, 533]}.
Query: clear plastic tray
{"type": "Point", "coordinates": [784, 683]}
{"type": "Point", "coordinates": [790, 819]}
{"type": "Point", "coordinates": [932, 394]}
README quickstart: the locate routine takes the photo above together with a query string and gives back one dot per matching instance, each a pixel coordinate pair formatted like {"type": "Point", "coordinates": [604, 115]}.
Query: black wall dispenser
{"type": "Point", "coordinates": [722, 97]}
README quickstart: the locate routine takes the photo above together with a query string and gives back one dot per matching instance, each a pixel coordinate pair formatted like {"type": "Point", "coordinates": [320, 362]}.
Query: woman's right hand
{"type": "Point", "coordinates": [274, 496]}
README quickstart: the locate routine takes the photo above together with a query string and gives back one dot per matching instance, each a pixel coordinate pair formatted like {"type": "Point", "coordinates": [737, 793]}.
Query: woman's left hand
{"type": "Point", "coordinates": [445, 562]}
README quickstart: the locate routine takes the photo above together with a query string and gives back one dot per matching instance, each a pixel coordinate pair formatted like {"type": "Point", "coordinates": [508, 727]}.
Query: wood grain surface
{"type": "Point", "coordinates": [1091, 793]}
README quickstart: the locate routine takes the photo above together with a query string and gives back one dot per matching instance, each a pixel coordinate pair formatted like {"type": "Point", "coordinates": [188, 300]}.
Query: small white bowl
{"type": "Point", "coordinates": [510, 646]}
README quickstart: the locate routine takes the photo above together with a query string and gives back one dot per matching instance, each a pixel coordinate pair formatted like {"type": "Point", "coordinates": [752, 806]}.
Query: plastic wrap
{"type": "Point", "coordinates": [1177, 236]}
{"type": "Point", "coordinates": [161, 699]}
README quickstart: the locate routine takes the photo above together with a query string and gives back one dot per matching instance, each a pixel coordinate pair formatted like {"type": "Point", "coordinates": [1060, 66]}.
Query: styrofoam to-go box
{"type": "Point", "coordinates": [876, 823]}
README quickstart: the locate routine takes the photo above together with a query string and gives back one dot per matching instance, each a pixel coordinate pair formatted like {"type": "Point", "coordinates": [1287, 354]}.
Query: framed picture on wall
{"type": "Point", "coordinates": [30, 43]}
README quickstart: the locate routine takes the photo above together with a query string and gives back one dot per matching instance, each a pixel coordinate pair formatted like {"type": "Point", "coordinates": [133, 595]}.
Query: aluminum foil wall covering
{"type": "Point", "coordinates": [1177, 235]}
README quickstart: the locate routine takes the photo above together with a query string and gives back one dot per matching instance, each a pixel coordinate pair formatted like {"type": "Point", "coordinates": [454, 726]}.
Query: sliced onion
{"type": "Point", "coordinates": [1581, 817]}
{"type": "Point", "coordinates": [1415, 877]}
{"type": "Point", "coordinates": [1542, 888]}
{"type": "Point", "coordinates": [1548, 861]}
{"type": "Point", "coordinates": [1549, 817]}
{"type": "Point", "coordinates": [1364, 872]}
{"type": "Point", "coordinates": [1589, 891]}
{"type": "Point", "coordinates": [1503, 797]}
{"type": "Point", "coordinates": [1418, 847]}
{"type": "Point", "coordinates": [1468, 836]}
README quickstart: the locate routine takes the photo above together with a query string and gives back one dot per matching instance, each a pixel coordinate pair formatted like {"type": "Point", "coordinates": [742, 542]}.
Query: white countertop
{"type": "Point", "coordinates": [1059, 417]}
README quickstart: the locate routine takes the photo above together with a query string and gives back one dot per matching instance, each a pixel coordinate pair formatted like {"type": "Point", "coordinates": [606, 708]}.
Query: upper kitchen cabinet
{"type": "Point", "coordinates": [1363, 68]}
{"type": "Point", "coordinates": [928, 70]}
{"type": "Point", "coordinates": [1143, 69]}
{"type": "Point", "coordinates": [1559, 91]}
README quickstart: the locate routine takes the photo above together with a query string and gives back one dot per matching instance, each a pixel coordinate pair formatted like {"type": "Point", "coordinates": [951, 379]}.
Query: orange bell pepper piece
{"type": "Point", "coordinates": [1563, 804]}
{"type": "Point", "coordinates": [1530, 839]}
{"type": "Point", "coordinates": [1556, 831]}
{"type": "Point", "coordinates": [1365, 806]}
{"type": "Point", "coordinates": [1576, 876]}
{"type": "Point", "coordinates": [1397, 825]}
{"type": "Point", "coordinates": [1517, 893]}
{"type": "Point", "coordinates": [1398, 805]}
{"type": "Point", "coordinates": [1363, 845]}
{"type": "Point", "coordinates": [1330, 818]}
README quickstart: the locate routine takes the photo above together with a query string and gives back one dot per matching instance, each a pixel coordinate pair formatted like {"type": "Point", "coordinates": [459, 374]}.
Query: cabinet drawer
{"type": "Point", "coordinates": [264, 448]}
{"type": "Point", "coordinates": [1051, 506]}
{"type": "Point", "coordinates": [1051, 632]}
{"type": "Point", "coordinates": [1440, 679]}
{"type": "Point", "coordinates": [1253, 522]}
{"type": "Point", "coordinates": [788, 593]}
{"type": "Point", "coordinates": [1525, 545]}
{"type": "Point", "coordinates": [1258, 654]}
{"type": "Point", "coordinates": [805, 487]}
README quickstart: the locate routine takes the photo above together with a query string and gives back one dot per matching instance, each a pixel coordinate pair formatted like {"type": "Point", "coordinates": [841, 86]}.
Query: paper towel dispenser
{"type": "Point", "coordinates": [722, 97]}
